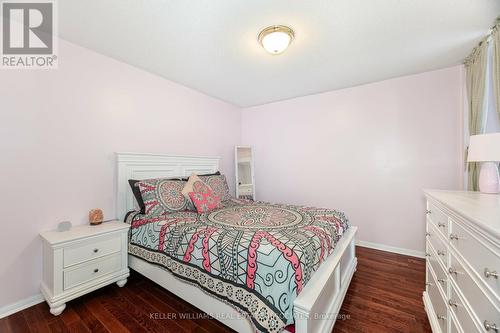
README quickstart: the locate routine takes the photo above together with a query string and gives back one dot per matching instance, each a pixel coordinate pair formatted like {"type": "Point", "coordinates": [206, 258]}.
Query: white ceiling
{"type": "Point", "coordinates": [212, 45]}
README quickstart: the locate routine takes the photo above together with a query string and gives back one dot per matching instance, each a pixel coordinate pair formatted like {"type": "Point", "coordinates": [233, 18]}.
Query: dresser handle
{"type": "Point", "coordinates": [96, 270]}
{"type": "Point", "coordinates": [441, 225]}
{"type": "Point", "coordinates": [428, 212]}
{"type": "Point", "coordinates": [441, 317]}
{"type": "Point", "coordinates": [427, 254]}
{"type": "Point", "coordinates": [442, 280]}
{"type": "Point", "coordinates": [452, 270]}
{"type": "Point", "coordinates": [427, 233]}
{"type": "Point", "coordinates": [490, 326]}
{"type": "Point", "coordinates": [452, 303]}
{"type": "Point", "coordinates": [441, 253]}
{"type": "Point", "coordinates": [454, 237]}
{"type": "Point", "coordinates": [489, 273]}
{"type": "Point", "coordinates": [96, 250]}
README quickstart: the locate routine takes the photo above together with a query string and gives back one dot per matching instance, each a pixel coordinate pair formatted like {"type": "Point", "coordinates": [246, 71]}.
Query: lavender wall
{"type": "Point", "coordinates": [368, 151]}
{"type": "Point", "coordinates": [58, 132]}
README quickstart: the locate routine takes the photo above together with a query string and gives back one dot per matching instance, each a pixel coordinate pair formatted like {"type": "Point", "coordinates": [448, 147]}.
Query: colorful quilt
{"type": "Point", "coordinates": [255, 256]}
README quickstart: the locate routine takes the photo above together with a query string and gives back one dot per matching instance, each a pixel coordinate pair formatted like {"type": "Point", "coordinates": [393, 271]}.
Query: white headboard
{"type": "Point", "coordinates": [144, 166]}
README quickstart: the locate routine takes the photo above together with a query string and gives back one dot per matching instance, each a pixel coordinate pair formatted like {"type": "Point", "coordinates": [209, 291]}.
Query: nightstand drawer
{"type": "Point", "coordinates": [96, 248]}
{"type": "Point", "coordinates": [91, 270]}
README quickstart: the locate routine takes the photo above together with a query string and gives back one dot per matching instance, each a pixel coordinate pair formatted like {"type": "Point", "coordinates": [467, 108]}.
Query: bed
{"type": "Point", "coordinates": [251, 265]}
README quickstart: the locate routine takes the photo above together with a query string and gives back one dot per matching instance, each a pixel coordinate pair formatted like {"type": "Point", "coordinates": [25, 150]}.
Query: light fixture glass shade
{"type": "Point", "coordinates": [484, 148]}
{"type": "Point", "coordinates": [276, 39]}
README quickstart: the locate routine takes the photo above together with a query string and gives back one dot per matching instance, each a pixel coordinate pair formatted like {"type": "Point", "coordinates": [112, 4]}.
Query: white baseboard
{"type": "Point", "coordinates": [20, 305]}
{"type": "Point", "coordinates": [399, 250]}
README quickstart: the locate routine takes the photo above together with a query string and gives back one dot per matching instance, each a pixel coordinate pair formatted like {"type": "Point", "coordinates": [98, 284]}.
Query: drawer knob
{"type": "Point", "coordinates": [454, 237]}
{"type": "Point", "coordinates": [427, 233]}
{"type": "Point", "coordinates": [441, 280]}
{"type": "Point", "coordinates": [441, 253]}
{"type": "Point", "coordinates": [441, 317]}
{"type": "Point", "coordinates": [96, 270]}
{"type": "Point", "coordinates": [427, 254]}
{"type": "Point", "coordinates": [489, 273]}
{"type": "Point", "coordinates": [428, 212]}
{"type": "Point", "coordinates": [452, 303]}
{"type": "Point", "coordinates": [490, 326]}
{"type": "Point", "coordinates": [441, 225]}
{"type": "Point", "coordinates": [452, 270]}
{"type": "Point", "coordinates": [96, 250]}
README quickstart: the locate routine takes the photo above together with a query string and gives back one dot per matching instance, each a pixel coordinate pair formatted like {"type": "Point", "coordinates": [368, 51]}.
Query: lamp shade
{"type": "Point", "coordinates": [484, 148]}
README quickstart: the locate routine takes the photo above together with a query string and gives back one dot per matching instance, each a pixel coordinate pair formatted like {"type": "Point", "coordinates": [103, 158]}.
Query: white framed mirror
{"type": "Point", "coordinates": [245, 182]}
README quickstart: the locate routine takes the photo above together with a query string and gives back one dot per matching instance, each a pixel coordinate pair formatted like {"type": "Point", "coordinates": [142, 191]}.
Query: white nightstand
{"type": "Point", "coordinates": [81, 260]}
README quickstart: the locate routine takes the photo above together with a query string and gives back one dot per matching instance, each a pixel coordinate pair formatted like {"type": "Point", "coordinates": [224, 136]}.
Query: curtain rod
{"type": "Point", "coordinates": [475, 51]}
{"type": "Point", "coordinates": [495, 26]}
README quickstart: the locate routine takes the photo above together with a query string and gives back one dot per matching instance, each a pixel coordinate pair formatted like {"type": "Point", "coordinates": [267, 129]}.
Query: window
{"type": "Point", "coordinates": [491, 120]}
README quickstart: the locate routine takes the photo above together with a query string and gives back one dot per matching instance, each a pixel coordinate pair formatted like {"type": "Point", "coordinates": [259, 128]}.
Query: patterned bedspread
{"type": "Point", "coordinates": [255, 256]}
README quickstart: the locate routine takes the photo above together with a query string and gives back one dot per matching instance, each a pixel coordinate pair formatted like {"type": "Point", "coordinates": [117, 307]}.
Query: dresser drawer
{"type": "Point", "coordinates": [477, 254]}
{"type": "Point", "coordinates": [441, 274]}
{"type": "Point", "coordinates": [454, 326]}
{"type": "Point", "coordinates": [91, 249]}
{"type": "Point", "coordinates": [460, 311]}
{"type": "Point", "coordinates": [91, 270]}
{"type": "Point", "coordinates": [438, 303]}
{"type": "Point", "coordinates": [438, 245]}
{"type": "Point", "coordinates": [438, 218]}
{"type": "Point", "coordinates": [483, 308]}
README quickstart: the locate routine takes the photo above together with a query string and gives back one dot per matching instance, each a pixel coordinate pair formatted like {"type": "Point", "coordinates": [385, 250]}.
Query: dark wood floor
{"type": "Point", "coordinates": [385, 295]}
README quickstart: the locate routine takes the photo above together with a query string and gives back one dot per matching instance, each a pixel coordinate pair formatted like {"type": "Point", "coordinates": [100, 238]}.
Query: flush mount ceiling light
{"type": "Point", "coordinates": [276, 38]}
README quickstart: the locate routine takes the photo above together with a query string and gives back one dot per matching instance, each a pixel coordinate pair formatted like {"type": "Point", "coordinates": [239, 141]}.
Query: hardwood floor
{"type": "Point", "coordinates": [385, 295]}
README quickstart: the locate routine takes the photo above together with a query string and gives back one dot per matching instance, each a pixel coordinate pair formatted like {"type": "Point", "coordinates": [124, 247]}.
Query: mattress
{"type": "Point", "coordinates": [255, 256]}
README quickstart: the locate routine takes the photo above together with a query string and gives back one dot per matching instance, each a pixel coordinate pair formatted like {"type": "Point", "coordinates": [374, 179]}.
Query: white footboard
{"type": "Point", "coordinates": [316, 308]}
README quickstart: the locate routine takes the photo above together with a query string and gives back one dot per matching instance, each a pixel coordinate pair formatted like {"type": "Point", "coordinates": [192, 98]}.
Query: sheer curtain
{"type": "Point", "coordinates": [495, 38]}
{"type": "Point", "coordinates": [475, 67]}
{"type": "Point", "coordinates": [483, 92]}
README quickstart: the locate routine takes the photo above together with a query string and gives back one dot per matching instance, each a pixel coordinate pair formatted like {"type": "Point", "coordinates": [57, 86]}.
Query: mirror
{"type": "Point", "coordinates": [245, 186]}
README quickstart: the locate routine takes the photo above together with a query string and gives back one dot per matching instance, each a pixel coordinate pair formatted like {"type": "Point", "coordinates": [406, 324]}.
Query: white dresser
{"type": "Point", "coordinates": [463, 261]}
{"type": "Point", "coordinates": [81, 260]}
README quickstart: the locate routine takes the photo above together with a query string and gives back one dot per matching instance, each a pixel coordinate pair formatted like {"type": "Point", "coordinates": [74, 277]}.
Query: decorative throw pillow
{"type": "Point", "coordinates": [134, 185]}
{"type": "Point", "coordinates": [204, 201]}
{"type": "Point", "coordinates": [194, 184]}
{"type": "Point", "coordinates": [218, 184]}
{"type": "Point", "coordinates": [162, 196]}
{"type": "Point", "coordinates": [204, 175]}
{"type": "Point", "coordinates": [137, 194]}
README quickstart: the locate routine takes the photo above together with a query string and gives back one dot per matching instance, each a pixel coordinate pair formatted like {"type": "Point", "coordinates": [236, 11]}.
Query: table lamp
{"type": "Point", "coordinates": [485, 148]}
